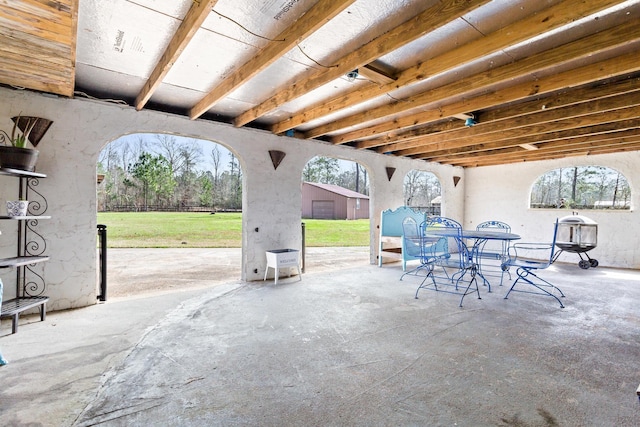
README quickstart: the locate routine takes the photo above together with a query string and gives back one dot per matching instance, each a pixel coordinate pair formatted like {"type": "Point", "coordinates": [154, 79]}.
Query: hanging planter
{"type": "Point", "coordinates": [13, 153]}
{"type": "Point", "coordinates": [18, 158]}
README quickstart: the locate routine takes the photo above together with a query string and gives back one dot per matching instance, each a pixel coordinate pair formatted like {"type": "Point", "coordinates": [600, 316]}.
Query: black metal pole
{"type": "Point", "coordinates": [303, 247]}
{"type": "Point", "coordinates": [102, 232]}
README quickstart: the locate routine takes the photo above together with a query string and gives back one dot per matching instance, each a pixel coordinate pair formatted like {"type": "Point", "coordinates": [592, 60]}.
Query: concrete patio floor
{"type": "Point", "coordinates": [348, 346]}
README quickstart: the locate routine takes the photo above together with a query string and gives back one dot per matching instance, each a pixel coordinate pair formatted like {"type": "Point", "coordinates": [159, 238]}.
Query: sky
{"type": "Point", "coordinates": [206, 147]}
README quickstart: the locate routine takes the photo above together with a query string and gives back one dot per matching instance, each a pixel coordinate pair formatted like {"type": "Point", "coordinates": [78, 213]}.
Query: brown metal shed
{"type": "Point", "coordinates": [327, 201]}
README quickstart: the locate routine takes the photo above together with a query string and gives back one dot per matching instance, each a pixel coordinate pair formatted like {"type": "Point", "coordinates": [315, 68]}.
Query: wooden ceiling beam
{"type": "Point", "coordinates": [587, 46]}
{"type": "Point", "coordinates": [37, 45]}
{"type": "Point", "coordinates": [593, 148]}
{"type": "Point", "coordinates": [522, 134]}
{"type": "Point", "coordinates": [430, 129]}
{"type": "Point", "coordinates": [551, 146]}
{"type": "Point", "coordinates": [501, 129]}
{"type": "Point", "coordinates": [376, 75]}
{"type": "Point", "coordinates": [630, 125]}
{"type": "Point", "coordinates": [191, 23]}
{"type": "Point", "coordinates": [307, 24]}
{"type": "Point", "coordinates": [404, 140]}
{"type": "Point", "coordinates": [531, 26]}
{"type": "Point", "coordinates": [620, 65]}
{"type": "Point", "coordinates": [421, 24]}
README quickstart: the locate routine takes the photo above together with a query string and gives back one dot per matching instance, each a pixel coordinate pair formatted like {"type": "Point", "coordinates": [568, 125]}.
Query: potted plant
{"type": "Point", "coordinates": [14, 153]}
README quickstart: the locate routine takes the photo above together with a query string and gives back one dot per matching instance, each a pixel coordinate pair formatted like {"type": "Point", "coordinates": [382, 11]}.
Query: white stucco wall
{"type": "Point", "coordinates": [502, 193]}
{"type": "Point", "coordinates": [271, 198]}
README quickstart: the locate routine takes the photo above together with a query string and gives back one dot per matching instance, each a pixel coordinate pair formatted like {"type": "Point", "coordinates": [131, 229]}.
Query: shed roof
{"type": "Point", "coordinates": [339, 190]}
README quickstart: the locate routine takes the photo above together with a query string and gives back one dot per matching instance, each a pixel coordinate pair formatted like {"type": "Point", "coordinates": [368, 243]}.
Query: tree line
{"type": "Point", "coordinates": [165, 172]}
{"type": "Point", "coordinates": [586, 187]}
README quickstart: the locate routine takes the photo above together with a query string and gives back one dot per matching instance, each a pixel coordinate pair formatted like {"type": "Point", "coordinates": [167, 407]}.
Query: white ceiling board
{"type": "Point", "coordinates": [176, 96]}
{"type": "Point", "coordinates": [357, 25]}
{"type": "Point", "coordinates": [207, 60]}
{"type": "Point", "coordinates": [176, 8]}
{"type": "Point", "coordinates": [121, 36]}
{"type": "Point", "coordinates": [437, 42]}
{"type": "Point", "coordinates": [493, 15]}
{"type": "Point", "coordinates": [105, 81]}
{"type": "Point", "coordinates": [327, 91]}
{"type": "Point", "coordinates": [346, 112]}
{"type": "Point", "coordinates": [265, 19]}
{"type": "Point", "coordinates": [269, 81]}
{"type": "Point", "coordinates": [575, 31]}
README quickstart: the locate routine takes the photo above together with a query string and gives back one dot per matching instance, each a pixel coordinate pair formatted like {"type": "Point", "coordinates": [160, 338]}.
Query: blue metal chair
{"type": "Point", "coordinates": [493, 252]}
{"type": "Point", "coordinates": [447, 235]}
{"type": "Point", "coordinates": [419, 246]}
{"type": "Point", "coordinates": [528, 258]}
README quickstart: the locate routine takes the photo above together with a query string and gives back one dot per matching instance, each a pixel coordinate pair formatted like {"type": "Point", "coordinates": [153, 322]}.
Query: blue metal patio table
{"type": "Point", "coordinates": [476, 238]}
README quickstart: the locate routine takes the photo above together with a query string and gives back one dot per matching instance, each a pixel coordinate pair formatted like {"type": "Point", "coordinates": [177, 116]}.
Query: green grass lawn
{"type": "Point", "coordinates": [222, 230]}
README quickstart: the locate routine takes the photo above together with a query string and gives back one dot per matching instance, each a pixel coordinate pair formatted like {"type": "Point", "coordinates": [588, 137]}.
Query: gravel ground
{"type": "Point", "coordinates": [138, 272]}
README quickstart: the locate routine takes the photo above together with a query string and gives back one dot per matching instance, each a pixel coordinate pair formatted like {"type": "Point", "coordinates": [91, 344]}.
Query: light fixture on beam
{"type": "Point", "coordinates": [469, 118]}
{"type": "Point", "coordinates": [352, 75]}
{"type": "Point", "coordinates": [529, 147]}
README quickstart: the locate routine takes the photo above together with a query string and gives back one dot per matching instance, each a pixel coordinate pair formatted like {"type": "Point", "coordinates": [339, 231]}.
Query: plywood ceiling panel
{"type": "Point", "coordinates": [417, 67]}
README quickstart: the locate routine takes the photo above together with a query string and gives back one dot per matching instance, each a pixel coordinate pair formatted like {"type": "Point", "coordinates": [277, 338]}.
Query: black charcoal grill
{"type": "Point", "coordinates": [579, 234]}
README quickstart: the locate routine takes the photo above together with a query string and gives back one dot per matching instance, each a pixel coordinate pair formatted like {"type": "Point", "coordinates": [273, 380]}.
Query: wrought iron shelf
{"type": "Point", "coordinates": [21, 173]}
{"type": "Point", "coordinates": [28, 217]}
{"type": "Point", "coordinates": [22, 260]}
{"type": "Point", "coordinates": [30, 244]}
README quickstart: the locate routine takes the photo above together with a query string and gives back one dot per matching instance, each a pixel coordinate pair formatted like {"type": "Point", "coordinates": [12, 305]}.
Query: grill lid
{"type": "Point", "coordinates": [576, 219]}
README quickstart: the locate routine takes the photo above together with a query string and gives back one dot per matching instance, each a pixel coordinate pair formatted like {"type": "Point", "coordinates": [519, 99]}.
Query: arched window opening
{"type": "Point", "coordinates": [167, 201]}
{"type": "Point", "coordinates": [581, 187]}
{"type": "Point", "coordinates": [335, 212]}
{"type": "Point", "coordinates": [344, 173]}
{"type": "Point", "coordinates": [423, 192]}
{"type": "Point", "coordinates": [160, 172]}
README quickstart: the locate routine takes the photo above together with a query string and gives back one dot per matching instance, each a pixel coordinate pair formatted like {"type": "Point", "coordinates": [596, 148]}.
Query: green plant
{"type": "Point", "coordinates": [19, 138]}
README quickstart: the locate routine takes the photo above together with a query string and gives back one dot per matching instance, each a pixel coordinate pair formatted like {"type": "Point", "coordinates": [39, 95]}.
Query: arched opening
{"type": "Point", "coordinates": [335, 212]}
{"type": "Point", "coordinates": [581, 187]}
{"type": "Point", "coordinates": [173, 210]}
{"type": "Point", "coordinates": [423, 192]}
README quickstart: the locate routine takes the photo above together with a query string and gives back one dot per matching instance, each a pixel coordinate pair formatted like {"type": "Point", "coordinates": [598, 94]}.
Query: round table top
{"type": "Point", "coordinates": [472, 234]}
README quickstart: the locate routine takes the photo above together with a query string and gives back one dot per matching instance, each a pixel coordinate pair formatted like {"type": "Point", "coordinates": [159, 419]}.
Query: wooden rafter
{"type": "Point", "coordinates": [317, 16]}
{"type": "Point", "coordinates": [434, 17]}
{"type": "Point", "coordinates": [405, 139]}
{"type": "Point", "coordinates": [561, 146]}
{"type": "Point", "coordinates": [190, 25]}
{"type": "Point", "coordinates": [536, 140]}
{"type": "Point", "coordinates": [586, 46]}
{"type": "Point", "coordinates": [496, 130]}
{"type": "Point", "coordinates": [531, 26]}
{"type": "Point", "coordinates": [506, 137]}
{"type": "Point", "coordinates": [37, 45]}
{"type": "Point", "coordinates": [620, 65]}
{"type": "Point", "coordinates": [566, 150]}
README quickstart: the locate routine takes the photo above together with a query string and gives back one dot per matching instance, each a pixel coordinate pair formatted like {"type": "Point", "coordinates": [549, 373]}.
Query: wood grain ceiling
{"type": "Point", "coordinates": [570, 89]}
{"type": "Point", "coordinates": [37, 44]}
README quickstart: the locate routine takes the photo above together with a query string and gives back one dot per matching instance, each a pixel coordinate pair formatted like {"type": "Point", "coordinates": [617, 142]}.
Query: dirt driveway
{"type": "Point", "coordinates": [137, 272]}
